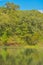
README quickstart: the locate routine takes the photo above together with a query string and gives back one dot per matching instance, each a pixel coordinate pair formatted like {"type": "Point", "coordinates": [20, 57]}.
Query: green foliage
{"type": "Point", "coordinates": [21, 28]}
{"type": "Point", "coordinates": [27, 26]}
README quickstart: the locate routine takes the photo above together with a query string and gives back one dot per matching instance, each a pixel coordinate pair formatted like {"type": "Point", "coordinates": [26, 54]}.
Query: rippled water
{"type": "Point", "coordinates": [21, 56]}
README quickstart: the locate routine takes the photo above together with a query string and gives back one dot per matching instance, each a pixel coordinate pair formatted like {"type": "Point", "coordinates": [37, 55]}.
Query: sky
{"type": "Point", "coordinates": [26, 4]}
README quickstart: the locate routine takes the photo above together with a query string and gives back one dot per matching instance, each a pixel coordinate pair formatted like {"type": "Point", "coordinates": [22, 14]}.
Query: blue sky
{"type": "Point", "coordinates": [26, 4]}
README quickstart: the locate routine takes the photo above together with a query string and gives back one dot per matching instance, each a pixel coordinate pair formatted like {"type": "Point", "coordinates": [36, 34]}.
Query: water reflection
{"type": "Point", "coordinates": [23, 56]}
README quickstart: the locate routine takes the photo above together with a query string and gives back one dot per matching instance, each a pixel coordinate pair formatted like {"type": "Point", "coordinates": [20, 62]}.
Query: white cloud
{"type": "Point", "coordinates": [40, 11]}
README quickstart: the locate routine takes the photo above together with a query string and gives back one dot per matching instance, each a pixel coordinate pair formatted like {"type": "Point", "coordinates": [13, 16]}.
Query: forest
{"type": "Point", "coordinates": [21, 36]}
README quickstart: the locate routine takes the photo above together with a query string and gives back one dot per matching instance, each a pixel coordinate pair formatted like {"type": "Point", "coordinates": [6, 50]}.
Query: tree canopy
{"type": "Point", "coordinates": [21, 26]}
